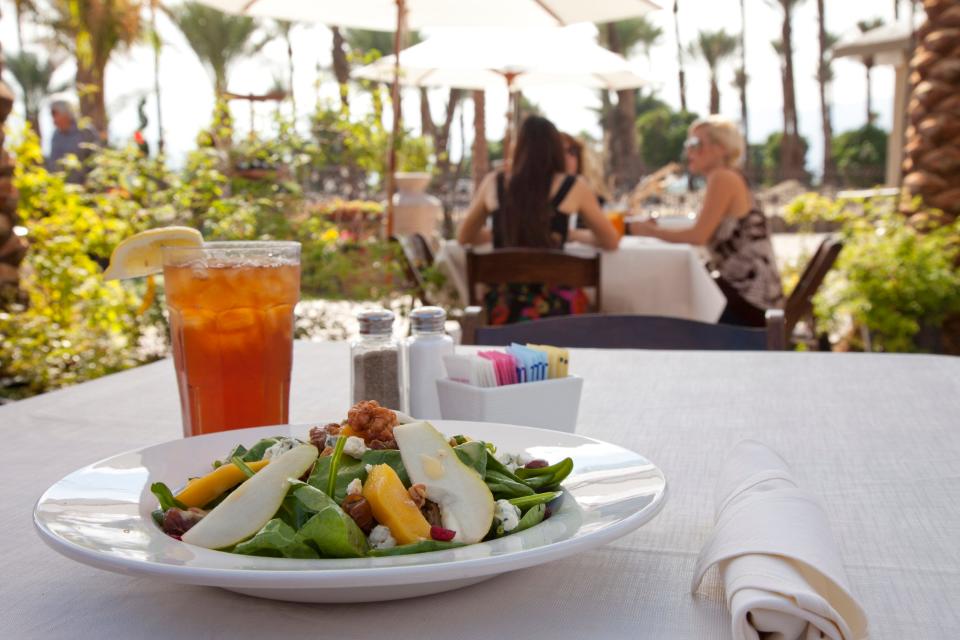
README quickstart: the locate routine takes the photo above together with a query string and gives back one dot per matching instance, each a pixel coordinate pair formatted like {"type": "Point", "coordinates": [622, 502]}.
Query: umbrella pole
{"type": "Point", "coordinates": [395, 99]}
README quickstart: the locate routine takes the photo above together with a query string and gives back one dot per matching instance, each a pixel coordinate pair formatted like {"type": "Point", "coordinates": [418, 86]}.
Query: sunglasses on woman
{"type": "Point", "coordinates": [692, 144]}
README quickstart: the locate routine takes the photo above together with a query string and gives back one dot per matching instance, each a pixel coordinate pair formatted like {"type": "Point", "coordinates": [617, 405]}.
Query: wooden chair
{"type": "Point", "coordinates": [628, 332]}
{"type": "Point", "coordinates": [531, 266]}
{"type": "Point", "coordinates": [413, 260]}
{"type": "Point", "coordinates": [799, 305]}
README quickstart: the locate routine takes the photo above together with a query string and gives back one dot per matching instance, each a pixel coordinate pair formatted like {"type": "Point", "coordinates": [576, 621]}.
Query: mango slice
{"type": "Point", "coordinates": [392, 505]}
{"type": "Point", "coordinates": [203, 490]}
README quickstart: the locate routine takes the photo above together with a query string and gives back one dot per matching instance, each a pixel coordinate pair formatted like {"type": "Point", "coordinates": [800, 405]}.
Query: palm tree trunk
{"type": "Point", "coordinates": [161, 143]}
{"type": "Point", "coordinates": [92, 104]}
{"type": "Point", "coordinates": [829, 166]}
{"type": "Point", "coordinates": [868, 64]}
{"type": "Point", "coordinates": [341, 66]}
{"type": "Point", "coordinates": [441, 140]}
{"type": "Point", "coordinates": [791, 152]}
{"type": "Point", "coordinates": [680, 73]}
{"type": "Point", "coordinates": [625, 159]}
{"type": "Point", "coordinates": [481, 158]}
{"type": "Point", "coordinates": [742, 85]}
{"type": "Point", "coordinates": [293, 99]}
{"type": "Point", "coordinates": [427, 127]}
{"type": "Point", "coordinates": [714, 93]}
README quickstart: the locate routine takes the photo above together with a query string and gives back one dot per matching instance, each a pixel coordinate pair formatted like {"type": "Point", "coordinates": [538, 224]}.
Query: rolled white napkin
{"type": "Point", "coordinates": [780, 566]}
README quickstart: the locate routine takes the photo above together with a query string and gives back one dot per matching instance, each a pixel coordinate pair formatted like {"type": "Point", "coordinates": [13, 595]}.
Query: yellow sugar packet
{"type": "Point", "coordinates": [557, 359]}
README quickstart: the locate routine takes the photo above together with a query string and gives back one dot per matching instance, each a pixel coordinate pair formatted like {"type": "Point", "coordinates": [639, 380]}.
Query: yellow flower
{"type": "Point", "coordinates": [330, 235]}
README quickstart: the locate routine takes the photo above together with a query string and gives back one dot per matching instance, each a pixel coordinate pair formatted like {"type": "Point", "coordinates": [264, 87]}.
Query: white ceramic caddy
{"type": "Point", "coordinates": [549, 404]}
{"type": "Point", "coordinates": [100, 515]}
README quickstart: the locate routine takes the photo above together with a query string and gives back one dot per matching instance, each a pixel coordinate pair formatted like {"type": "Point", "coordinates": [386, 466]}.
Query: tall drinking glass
{"type": "Point", "coordinates": [231, 326]}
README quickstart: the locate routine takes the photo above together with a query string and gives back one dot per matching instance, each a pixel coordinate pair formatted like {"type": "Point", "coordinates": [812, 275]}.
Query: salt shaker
{"type": "Point", "coordinates": [375, 358]}
{"type": "Point", "coordinates": [425, 349]}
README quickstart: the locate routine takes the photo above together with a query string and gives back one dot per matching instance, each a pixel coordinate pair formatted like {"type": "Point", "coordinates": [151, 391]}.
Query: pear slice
{"type": "Point", "coordinates": [253, 503]}
{"type": "Point", "coordinates": [466, 504]}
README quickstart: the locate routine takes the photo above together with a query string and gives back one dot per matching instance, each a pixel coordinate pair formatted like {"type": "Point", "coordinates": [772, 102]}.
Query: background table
{"type": "Point", "coordinates": [877, 437]}
{"type": "Point", "coordinates": [644, 276]}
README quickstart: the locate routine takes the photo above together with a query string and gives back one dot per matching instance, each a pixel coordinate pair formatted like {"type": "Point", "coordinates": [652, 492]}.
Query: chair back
{"type": "Point", "coordinates": [636, 332]}
{"type": "Point", "coordinates": [531, 266]}
{"type": "Point", "coordinates": [800, 302]}
{"type": "Point", "coordinates": [413, 259]}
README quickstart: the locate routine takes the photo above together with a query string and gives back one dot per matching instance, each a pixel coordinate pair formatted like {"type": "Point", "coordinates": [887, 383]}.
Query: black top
{"type": "Point", "coordinates": [559, 221]}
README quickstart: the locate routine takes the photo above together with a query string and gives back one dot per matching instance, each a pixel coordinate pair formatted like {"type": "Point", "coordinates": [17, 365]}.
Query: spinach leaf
{"type": "Point", "coordinates": [417, 547]}
{"type": "Point", "coordinates": [334, 463]}
{"type": "Point", "coordinates": [348, 469]}
{"type": "Point", "coordinates": [389, 457]}
{"type": "Point", "coordinates": [276, 539]}
{"type": "Point", "coordinates": [533, 516]}
{"type": "Point", "coordinates": [256, 451]}
{"type": "Point", "coordinates": [526, 502]}
{"type": "Point", "coordinates": [165, 496]}
{"type": "Point", "coordinates": [301, 503]}
{"type": "Point", "coordinates": [546, 476]}
{"type": "Point", "coordinates": [334, 534]}
{"type": "Point", "coordinates": [503, 486]}
{"type": "Point", "coordinates": [238, 450]}
{"type": "Point", "coordinates": [474, 455]}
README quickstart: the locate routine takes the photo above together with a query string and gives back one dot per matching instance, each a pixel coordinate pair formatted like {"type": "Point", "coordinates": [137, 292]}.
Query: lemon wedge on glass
{"type": "Point", "coordinates": [140, 255]}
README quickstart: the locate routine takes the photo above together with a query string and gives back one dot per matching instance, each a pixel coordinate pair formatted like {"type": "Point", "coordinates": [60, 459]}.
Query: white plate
{"type": "Point", "coordinates": [100, 515]}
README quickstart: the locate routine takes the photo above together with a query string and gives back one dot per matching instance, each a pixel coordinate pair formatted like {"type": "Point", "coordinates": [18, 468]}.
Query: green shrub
{"type": "Point", "coordinates": [661, 133]}
{"type": "Point", "coordinates": [861, 156]}
{"type": "Point", "coordinates": [892, 279]}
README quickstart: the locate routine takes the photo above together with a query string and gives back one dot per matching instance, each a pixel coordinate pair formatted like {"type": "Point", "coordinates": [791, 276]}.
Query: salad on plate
{"type": "Point", "coordinates": [376, 484]}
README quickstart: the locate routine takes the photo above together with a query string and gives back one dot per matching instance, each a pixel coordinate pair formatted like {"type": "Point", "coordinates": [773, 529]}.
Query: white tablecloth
{"type": "Point", "coordinates": [875, 437]}
{"type": "Point", "coordinates": [644, 276]}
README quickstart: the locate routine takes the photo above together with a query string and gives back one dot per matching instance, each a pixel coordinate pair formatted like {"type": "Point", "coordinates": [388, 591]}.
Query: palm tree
{"type": "Point", "coordinates": [791, 149]}
{"type": "Point", "coordinates": [714, 47]}
{"type": "Point", "coordinates": [284, 27]}
{"type": "Point", "coordinates": [480, 153]}
{"type": "Point", "coordinates": [217, 39]}
{"type": "Point", "coordinates": [93, 30]}
{"type": "Point", "coordinates": [933, 135]}
{"type": "Point", "coordinates": [824, 78]}
{"type": "Point", "coordinates": [156, 44]}
{"type": "Point", "coordinates": [868, 61]}
{"type": "Point", "coordinates": [624, 37]}
{"type": "Point", "coordinates": [34, 76]}
{"type": "Point", "coordinates": [680, 73]}
{"type": "Point", "coordinates": [341, 66]}
{"type": "Point", "coordinates": [19, 8]}
{"type": "Point", "coordinates": [740, 81]}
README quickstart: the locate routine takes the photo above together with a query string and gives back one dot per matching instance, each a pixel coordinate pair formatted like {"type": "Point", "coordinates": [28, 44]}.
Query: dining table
{"type": "Point", "coordinates": [643, 276]}
{"type": "Point", "coordinates": [875, 436]}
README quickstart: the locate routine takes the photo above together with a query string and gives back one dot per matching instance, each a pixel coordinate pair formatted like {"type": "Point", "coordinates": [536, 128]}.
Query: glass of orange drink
{"type": "Point", "coordinates": [618, 220]}
{"type": "Point", "coordinates": [231, 328]}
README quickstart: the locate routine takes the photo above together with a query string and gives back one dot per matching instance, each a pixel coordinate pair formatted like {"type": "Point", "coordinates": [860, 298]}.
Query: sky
{"type": "Point", "coordinates": [187, 94]}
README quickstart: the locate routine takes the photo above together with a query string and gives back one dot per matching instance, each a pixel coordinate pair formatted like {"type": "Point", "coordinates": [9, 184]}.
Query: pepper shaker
{"type": "Point", "coordinates": [375, 360]}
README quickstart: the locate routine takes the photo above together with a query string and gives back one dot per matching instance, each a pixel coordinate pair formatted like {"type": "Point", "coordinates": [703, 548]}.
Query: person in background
{"type": "Point", "coordinates": [531, 208]}
{"type": "Point", "coordinates": [730, 224]}
{"type": "Point", "coordinates": [68, 139]}
{"type": "Point", "coordinates": [581, 160]}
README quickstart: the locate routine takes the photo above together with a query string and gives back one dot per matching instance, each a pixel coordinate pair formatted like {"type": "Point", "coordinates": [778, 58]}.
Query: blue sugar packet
{"type": "Point", "coordinates": [534, 362]}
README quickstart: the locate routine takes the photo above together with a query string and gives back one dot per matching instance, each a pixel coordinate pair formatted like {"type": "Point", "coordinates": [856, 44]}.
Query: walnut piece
{"type": "Point", "coordinates": [373, 423]}
{"type": "Point", "coordinates": [418, 493]}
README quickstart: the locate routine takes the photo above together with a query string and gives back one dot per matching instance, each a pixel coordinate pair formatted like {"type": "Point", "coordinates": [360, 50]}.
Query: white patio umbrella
{"type": "Point", "coordinates": [399, 15]}
{"type": "Point", "coordinates": [521, 58]}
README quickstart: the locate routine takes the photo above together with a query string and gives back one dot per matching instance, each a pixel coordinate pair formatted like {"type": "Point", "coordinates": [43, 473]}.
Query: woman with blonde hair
{"type": "Point", "coordinates": [730, 225]}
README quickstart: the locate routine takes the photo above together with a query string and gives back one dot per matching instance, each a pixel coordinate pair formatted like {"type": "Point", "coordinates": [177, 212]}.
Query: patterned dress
{"type": "Point", "coordinates": [741, 251]}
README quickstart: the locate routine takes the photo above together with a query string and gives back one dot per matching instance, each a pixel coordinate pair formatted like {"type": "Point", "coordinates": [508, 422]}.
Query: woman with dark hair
{"type": "Point", "coordinates": [531, 208]}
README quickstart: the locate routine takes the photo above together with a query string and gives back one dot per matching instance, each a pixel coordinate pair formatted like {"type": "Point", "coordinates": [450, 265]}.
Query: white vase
{"type": "Point", "coordinates": [414, 210]}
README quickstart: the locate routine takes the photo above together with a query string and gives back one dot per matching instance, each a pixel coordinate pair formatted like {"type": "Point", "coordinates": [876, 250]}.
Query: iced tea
{"type": "Point", "coordinates": [231, 326]}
